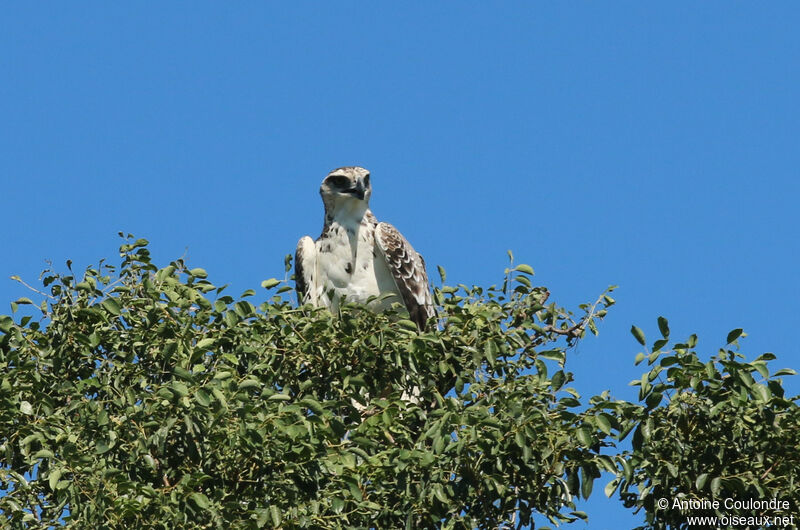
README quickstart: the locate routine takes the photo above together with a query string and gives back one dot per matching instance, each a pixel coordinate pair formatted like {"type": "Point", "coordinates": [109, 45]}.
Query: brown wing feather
{"type": "Point", "coordinates": [408, 269]}
{"type": "Point", "coordinates": [299, 274]}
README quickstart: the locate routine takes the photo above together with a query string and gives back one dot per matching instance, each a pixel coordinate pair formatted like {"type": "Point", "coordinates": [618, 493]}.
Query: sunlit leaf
{"type": "Point", "coordinates": [269, 284]}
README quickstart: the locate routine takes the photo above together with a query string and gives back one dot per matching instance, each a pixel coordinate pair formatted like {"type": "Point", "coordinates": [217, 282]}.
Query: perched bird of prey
{"type": "Point", "coordinates": [356, 257]}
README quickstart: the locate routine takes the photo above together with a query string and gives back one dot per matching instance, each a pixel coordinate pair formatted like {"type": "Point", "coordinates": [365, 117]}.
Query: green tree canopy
{"type": "Point", "coordinates": [146, 397]}
{"type": "Point", "coordinates": [719, 429]}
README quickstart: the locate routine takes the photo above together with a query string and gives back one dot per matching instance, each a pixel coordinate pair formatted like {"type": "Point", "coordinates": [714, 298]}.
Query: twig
{"type": "Point", "coordinates": [110, 285]}
{"type": "Point", "coordinates": [573, 332]}
{"type": "Point", "coordinates": [769, 469]}
{"type": "Point", "coordinates": [577, 330]}
{"type": "Point", "coordinates": [17, 278]}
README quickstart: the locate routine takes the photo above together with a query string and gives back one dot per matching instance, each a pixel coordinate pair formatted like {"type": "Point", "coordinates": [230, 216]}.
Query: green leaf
{"type": "Point", "coordinates": [653, 400]}
{"type": "Point", "coordinates": [734, 334]}
{"type": "Point", "coordinates": [249, 383]}
{"type": "Point", "coordinates": [198, 273]}
{"type": "Point", "coordinates": [101, 447]}
{"type": "Point", "coordinates": [573, 481]}
{"type": "Point", "coordinates": [558, 380]}
{"type": "Point", "coordinates": [442, 273]}
{"type": "Point", "coordinates": [713, 411]}
{"type": "Point", "coordinates": [525, 269]}
{"type": "Point", "coordinates": [519, 439]}
{"type": "Point", "coordinates": [438, 444]}
{"type": "Point", "coordinates": [243, 309]}
{"type": "Point", "coordinates": [53, 479]}
{"type": "Point", "coordinates": [579, 514]}
{"type": "Point", "coordinates": [408, 324]}
{"type": "Point", "coordinates": [438, 492]}
{"type": "Point", "coordinates": [554, 355]}
{"type": "Point", "coordinates": [205, 343]}
{"type": "Point", "coordinates": [179, 388]}
{"type": "Point", "coordinates": [761, 367]}
{"type": "Point", "coordinates": [220, 397]}
{"type": "Point", "coordinates": [761, 392]}
{"type": "Point", "coordinates": [663, 327]}
{"type": "Point", "coordinates": [202, 397]}
{"type": "Point", "coordinates": [313, 405]}
{"type": "Point", "coordinates": [26, 408]}
{"type": "Point", "coordinates": [603, 423]}
{"type": "Point", "coordinates": [183, 373]}
{"type": "Point", "coordinates": [200, 500]}
{"type": "Point", "coordinates": [587, 483]}
{"type": "Point", "coordinates": [627, 470]}
{"type": "Point", "coordinates": [275, 515]}
{"type": "Point", "coordinates": [524, 281]}
{"type": "Point", "coordinates": [584, 436]}
{"type": "Point", "coordinates": [716, 483]}
{"type": "Point", "coordinates": [491, 352]}
{"type": "Point", "coordinates": [638, 334]}
{"type": "Point", "coordinates": [269, 284]}
{"type": "Point", "coordinates": [644, 386]}
{"type": "Point", "coordinates": [657, 345]}
{"type": "Point", "coordinates": [611, 487]}
{"type": "Point", "coordinates": [355, 491]}
{"type": "Point", "coordinates": [112, 306]}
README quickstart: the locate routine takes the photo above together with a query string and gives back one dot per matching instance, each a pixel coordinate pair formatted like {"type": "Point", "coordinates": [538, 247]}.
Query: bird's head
{"type": "Point", "coordinates": [346, 187]}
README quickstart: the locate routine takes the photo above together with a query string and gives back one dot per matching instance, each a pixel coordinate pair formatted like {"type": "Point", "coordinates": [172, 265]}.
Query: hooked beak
{"type": "Point", "coordinates": [358, 191]}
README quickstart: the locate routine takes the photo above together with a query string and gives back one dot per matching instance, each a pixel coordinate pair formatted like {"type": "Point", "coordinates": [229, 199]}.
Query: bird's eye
{"type": "Point", "coordinates": [366, 180]}
{"type": "Point", "coordinates": [338, 181]}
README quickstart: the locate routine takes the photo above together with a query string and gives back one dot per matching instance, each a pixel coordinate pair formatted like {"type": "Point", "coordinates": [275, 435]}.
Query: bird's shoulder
{"type": "Point", "coordinates": [391, 240]}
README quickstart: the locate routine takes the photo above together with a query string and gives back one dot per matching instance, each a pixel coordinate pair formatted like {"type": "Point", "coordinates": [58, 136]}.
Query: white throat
{"type": "Point", "coordinates": [349, 211]}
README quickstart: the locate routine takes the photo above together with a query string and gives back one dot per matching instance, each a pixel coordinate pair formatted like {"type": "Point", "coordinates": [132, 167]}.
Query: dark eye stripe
{"type": "Point", "coordinates": [338, 181]}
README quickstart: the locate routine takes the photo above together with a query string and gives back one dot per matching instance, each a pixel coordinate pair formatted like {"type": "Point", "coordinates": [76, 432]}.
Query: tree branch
{"type": "Point", "coordinates": [17, 278]}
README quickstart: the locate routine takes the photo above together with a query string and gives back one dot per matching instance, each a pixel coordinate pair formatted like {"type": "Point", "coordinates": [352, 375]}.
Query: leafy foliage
{"type": "Point", "coordinates": [146, 396]}
{"type": "Point", "coordinates": [721, 429]}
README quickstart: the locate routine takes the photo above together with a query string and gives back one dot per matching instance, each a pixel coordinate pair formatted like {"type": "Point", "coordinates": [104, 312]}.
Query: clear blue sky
{"type": "Point", "coordinates": [652, 146]}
